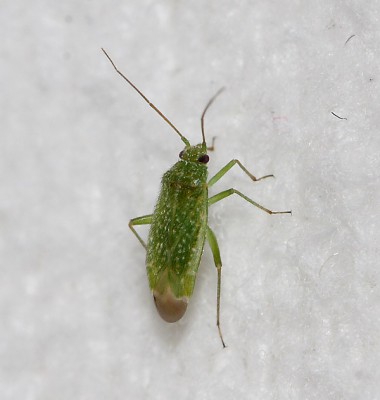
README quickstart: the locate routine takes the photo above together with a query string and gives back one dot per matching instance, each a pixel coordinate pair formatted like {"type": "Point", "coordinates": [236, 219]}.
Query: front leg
{"type": "Point", "coordinates": [228, 166]}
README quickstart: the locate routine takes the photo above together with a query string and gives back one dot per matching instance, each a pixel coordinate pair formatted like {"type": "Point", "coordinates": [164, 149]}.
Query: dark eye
{"type": "Point", "coordinates": [204, 159]}
{"type": "Point", "coordinates": [181, 154]}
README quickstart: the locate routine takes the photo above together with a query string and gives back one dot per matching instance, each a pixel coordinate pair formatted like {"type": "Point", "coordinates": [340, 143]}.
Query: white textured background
{"type": "Point", "coordinates": [81, 154]}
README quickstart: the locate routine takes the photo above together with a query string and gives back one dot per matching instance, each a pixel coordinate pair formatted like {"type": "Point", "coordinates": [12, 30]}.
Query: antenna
{"type": "Point", "coordinates": [187, 143]}
{"type": "Point", "coordinates": [204, 112]}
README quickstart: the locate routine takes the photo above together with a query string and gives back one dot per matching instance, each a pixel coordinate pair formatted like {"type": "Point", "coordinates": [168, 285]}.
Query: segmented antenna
{"type": "Point", "coordinates": [184, 140]}
{"type": "Point", "coordinates": [204, 112]}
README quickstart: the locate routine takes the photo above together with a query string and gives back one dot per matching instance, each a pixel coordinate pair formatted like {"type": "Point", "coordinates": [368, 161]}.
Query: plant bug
{"type": "Point", "coordinates": [179, 224]}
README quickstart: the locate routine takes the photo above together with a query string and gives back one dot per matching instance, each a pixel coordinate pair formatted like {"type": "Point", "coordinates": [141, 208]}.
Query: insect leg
{"type": "Point", "coordinates": [144, 220]}
{"type": "Point", "coordinates": [228, 166]}
{"type": "Point", "coordinates": [218, 263]}
{"type": "Point", "coordinates": [229, 192]}
{"type": "Point", "coordinates": [212, 147]}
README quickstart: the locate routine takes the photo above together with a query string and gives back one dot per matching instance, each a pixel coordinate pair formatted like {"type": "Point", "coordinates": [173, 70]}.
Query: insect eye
{"type": "Point", "coordinates": [204, 159]}
{"type": "Point", "coordinates": [181, 154]}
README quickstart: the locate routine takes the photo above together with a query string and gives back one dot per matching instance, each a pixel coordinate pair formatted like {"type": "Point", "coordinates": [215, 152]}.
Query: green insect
{"type": "Point", "coordinates": [179, 223]}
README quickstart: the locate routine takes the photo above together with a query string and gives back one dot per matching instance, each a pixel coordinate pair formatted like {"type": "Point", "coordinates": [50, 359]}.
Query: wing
{"type": "Point", "coordinates": [177, 233]}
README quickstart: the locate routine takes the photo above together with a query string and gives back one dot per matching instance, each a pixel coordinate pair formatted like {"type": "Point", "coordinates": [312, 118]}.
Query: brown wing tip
{"type": "Point", "coordinates": [170, 308]}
